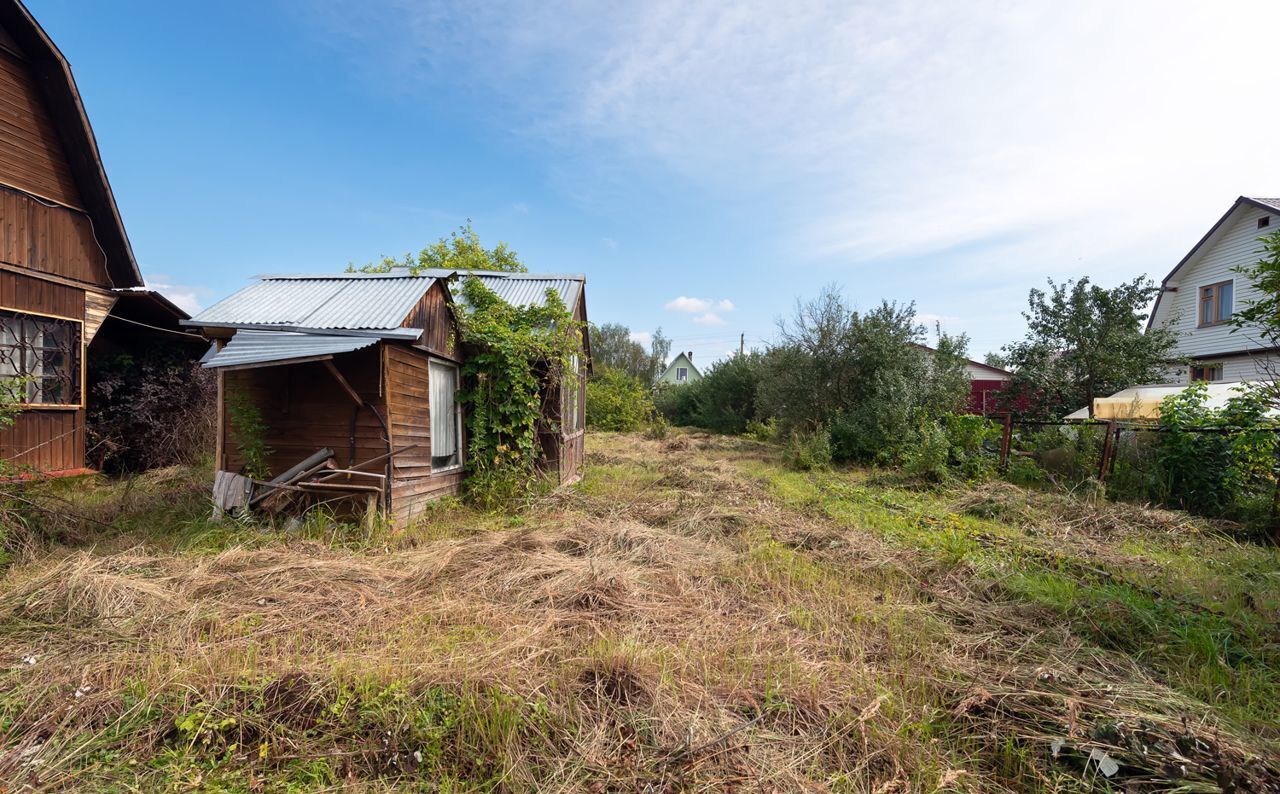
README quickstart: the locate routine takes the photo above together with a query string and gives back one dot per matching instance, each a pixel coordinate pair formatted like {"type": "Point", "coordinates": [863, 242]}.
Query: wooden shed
{"type": "Point", "coordinates": [365, 368]}
{"type": "Point", "coordinates": [66, 267]}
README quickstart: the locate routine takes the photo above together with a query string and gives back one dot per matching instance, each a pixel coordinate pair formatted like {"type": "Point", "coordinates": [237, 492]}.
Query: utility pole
{"type": "Point", "coordinates": [742, 343]}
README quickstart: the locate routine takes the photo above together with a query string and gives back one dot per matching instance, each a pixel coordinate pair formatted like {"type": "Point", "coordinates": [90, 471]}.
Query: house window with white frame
{"type": "Point", "coordinates": [40, 359]}
{"type": "Point", "coordinates": [682, 374]}
{"type": "Point", "coordinates": [446, 419]}
{"type": "Point", "coordinates": [1215, 303]}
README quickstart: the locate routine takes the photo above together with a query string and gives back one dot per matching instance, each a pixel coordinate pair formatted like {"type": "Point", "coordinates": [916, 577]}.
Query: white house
{"type": "Point", "coordinates": [1203, 291]}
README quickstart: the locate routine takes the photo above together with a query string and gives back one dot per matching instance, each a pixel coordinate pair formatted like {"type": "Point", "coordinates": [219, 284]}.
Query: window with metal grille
{"type": "Point", "coordinates": [40, 358]}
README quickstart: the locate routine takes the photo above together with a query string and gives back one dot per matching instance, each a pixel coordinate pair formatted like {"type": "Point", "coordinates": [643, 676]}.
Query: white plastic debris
{"type": "Point", "coordinates": [29, 660]}
{"type": "Point", "coordinates": [1055, 746]}
{"type": "Point", "coordinates": [1106, 764]}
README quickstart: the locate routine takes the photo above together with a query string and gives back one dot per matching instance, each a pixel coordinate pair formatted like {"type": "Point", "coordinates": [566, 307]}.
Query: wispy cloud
{"type": "Point", "coordinates": [709, 318]}
{"type": "Point", "coordinates": [696, 305]}
{"type": "Point", "coordinates": [881, 130]}
{"type": "Point", "coordinates": [188, 298]}
{"type": "Point", "coordinates": [643, 337]}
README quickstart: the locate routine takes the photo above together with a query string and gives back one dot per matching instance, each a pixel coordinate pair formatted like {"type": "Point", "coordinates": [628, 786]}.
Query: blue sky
{"type": "Point", "coordinates": [704, 164]}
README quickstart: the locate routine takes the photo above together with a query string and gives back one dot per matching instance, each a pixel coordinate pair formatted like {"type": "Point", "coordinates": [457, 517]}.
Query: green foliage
{"type": "Point", "coordinates": [461, 250]}
{"type": "Point", "coordinates": [1260, 315]}
{"type": "Point", "coordinates": [518, 355]}
{"type": "Point", "coordinates": [1215, 473]}
{"type": "Point", "coordinates": [1085, 341]}
{"type": "Point", "coordinates": [613, 347]}
{"type": "Point", "coordinates": [863, 376]}
{"type": "Point", "coordinates": [808, 450]}
{"type": "Point", "coordinates": [722, 401]}
{"type": "Point", "coordinates": [617, 401]}
{"type": "Point", "coordinates": [248, 431]}
{"type": "Point", "coordinates": [956, 445]}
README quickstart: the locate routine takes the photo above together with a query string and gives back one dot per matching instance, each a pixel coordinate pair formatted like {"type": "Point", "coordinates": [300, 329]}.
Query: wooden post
{"type": "Point", "coordinates": [1006, 441]}
{"type": "Point", "coordinates": [1108, 450]}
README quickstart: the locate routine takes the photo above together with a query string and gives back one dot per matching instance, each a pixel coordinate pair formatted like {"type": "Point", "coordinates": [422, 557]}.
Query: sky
{"type": "Point", "coordinates": [704, 164]}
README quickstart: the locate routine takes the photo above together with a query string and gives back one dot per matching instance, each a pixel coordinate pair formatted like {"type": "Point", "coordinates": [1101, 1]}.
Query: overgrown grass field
{"type": "Point", "coordinates": [691, 617]}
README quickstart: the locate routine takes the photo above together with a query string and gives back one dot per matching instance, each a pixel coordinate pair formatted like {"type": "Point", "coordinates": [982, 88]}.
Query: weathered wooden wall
{"type": "Point", "coordinates": [432, 313]}
{"type": "Point", "coordinates": [409, 412]}
{"type": "Point", "coordinates": [31, 154]}
{"type": "Point", "coordinates": [53, 240]}
{"type": "Point", "coordinates": [46, 439]}
{"type": "Point", "coordinates": [305, 409]}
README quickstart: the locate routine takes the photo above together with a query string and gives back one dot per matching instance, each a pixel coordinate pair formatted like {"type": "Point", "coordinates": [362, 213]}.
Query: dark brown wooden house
{"type": "Point", "coordinates": [65, 260]}
{"type": "Point", "coordinates": [365, 367]}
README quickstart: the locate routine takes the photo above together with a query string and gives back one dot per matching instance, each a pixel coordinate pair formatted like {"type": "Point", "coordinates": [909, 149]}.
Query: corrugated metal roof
{"type": "Point", "coordinates": [522, 289]}
{"type": "Point", "coordinates": [261, 347]}
{"type": "Point", "coordinates": [339, 302]}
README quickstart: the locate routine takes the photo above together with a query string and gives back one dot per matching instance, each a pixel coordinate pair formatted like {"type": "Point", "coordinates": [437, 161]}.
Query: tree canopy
{"type": "Point", "coordinates": [613, 348]}
{"type": "Point", "coordinates": [461, 250]}
{"type": "Point", "coordinates": [1085, 341]}
{"type": "Point", "coordinates": [1259, 319]}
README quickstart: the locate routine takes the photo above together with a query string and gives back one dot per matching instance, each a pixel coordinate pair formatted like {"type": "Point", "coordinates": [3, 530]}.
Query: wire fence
{"type": "Point", "coordinates": [1218, 471]}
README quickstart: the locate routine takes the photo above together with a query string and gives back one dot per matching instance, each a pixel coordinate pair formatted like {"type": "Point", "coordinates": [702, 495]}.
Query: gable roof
{"type": "Point", "coordinates": [521, 289]}
{"type": "Point", "coordinates": [688, 362]}
{"type": "Point", "coordinates": [62, 99]}
{"type": "Point", "coordinates": [1265, 204]}
{"type": "Point", "coordinates": [352, 304]}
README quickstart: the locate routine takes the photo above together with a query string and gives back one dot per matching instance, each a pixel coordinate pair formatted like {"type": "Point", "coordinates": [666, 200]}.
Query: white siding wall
{"type": "Point", "coordinates": [981, 373]}
{"type": "Point", "coordinates": [1236, 244]}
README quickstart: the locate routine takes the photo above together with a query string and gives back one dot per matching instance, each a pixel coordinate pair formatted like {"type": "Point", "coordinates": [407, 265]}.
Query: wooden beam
{"type": "Point", "coordinates": [352, 393]}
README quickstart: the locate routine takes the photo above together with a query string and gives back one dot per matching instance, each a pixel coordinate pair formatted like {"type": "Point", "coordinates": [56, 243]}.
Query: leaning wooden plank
{"type": "Point", "coordinates": [382, 458]}
{"type": "Point", "coordinates": [336, 474]}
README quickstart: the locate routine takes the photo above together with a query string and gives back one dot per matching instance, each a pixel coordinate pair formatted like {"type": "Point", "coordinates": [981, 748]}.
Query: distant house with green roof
{"type": "Point", "coordinates": [680, 371]}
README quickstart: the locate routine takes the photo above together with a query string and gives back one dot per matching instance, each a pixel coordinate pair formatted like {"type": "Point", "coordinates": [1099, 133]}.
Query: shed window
{"type": "Point", "coordinates": [40, 359]}
{"type": "Point", "coordinates": [446, 420]}
{"type": "Point", "coordinates": [1215, 303]}
{"type": "Point", "coordinates": [682, 374]}
{"type": "Point", "coordinates": [1206, 372]}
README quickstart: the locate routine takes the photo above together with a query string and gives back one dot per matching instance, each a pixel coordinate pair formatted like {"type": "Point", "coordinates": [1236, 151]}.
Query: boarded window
{"type": "Point", "coordinates": [1215, 303]}
{"type": "Point", "coordinates": [445, 419]}
{"type": "Point", "coordinates": [40, 359]}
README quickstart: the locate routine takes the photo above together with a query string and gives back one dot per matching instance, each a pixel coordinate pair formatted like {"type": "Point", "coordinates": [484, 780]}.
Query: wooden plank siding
{"type": "Point", "coordinates": [305, 409]}
{"type": "Point", "coordinates": [434, 315]}
{"type": "Point", "coordinates": [31, 154]}
{"type": "Point", "coordinates": [52, 240]}
{"type": "Point", "coordinates": [409, 414]}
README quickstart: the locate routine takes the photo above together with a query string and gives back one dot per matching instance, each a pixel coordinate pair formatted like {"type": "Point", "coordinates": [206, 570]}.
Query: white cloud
{"type": "Point", "coordinates": [1047, 136]}
{"type": "Point", "coordinates": [187, 298]}
{"type": "Point", "coordinates": [643, 337]}
{"type": "Point", "coordinates": [709, 318]}
{"type": "Point", "coordinates": [690, 305]}
{"type": "Point", "coordinates": [696, 305]}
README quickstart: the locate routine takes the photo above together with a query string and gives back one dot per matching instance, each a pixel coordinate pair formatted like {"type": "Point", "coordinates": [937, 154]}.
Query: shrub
{"type": "Point", "coordinates": [722, 401]}
{"type": "Point", "coordinates": [807, 451]}
{"type": "Point", "coordinates": [151, 412]}
{"type": "Point", "coordinates": [954, 446]}
{"type": "Point", "coordinates": [617, 401]}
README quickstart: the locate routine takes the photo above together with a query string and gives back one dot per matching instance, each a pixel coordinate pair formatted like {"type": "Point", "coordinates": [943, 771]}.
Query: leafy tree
{"type": "Point", "coordinates": [618, 401]}
{"type": "Point", "coordinates": [461, 250]}
{"type": "Point", "coordinates": [1085, 341]}
{"type": "Point", "coordinates": [613, 348]}
{"type": "Point", "coordinates": [1260, 317]}
{"type": "Point", "coordinates": [659, 349]}
{"type": "Point", "coordinates": [723, 400]}
{"type": "Point", "coordinates": [864, 377]}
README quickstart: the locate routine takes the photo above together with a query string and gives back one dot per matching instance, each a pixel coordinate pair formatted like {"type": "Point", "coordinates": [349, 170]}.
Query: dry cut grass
{"type": "Point", "coordinates": [691, 618]}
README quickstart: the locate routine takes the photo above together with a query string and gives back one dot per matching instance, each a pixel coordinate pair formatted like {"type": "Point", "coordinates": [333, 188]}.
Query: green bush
{"type": "Point", "coordinates": [616, 401]}
{"type": "Point", "coordinates": [954, 446]}
{"type": "Point", "coordinates": [808, 451]}
{"type": "Point", "coordinates": [722, 401]}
